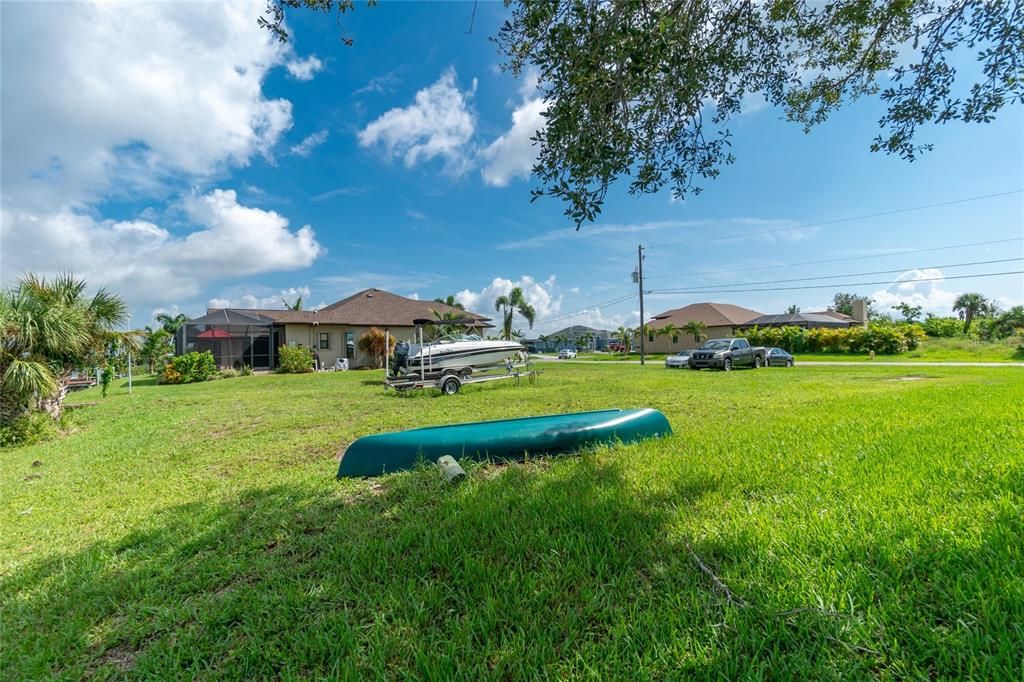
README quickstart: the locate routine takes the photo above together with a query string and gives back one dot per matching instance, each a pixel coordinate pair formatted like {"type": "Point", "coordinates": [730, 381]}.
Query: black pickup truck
{"type": "Point", "coordinates": [727, 353]}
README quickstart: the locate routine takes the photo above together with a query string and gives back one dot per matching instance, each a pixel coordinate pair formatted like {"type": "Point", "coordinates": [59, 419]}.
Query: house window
{"type": "Point", "coordinates": [350, 345]}
{"type": "Point", "coordinates": [675, 339]}
{"type": "Point", "coordinates": [325, 340]}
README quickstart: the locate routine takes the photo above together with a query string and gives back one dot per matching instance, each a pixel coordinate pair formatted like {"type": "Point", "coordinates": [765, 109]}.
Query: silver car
{"type": "Point", "coordinates": [680, 360]}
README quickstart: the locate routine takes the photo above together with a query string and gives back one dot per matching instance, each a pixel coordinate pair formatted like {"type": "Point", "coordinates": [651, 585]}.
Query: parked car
{"type": "Point", "coordinates": [566, 354]}
{"type": "Point", "coordinates": [680, 360]}
{"type": "Point", "coordinates": [725, 354]}
{"type": "Point", "coordinates": [777, 357]}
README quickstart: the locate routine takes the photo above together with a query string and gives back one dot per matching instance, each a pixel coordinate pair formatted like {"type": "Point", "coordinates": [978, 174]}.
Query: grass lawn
{"type": "Point", "coordinates": [812, 523]}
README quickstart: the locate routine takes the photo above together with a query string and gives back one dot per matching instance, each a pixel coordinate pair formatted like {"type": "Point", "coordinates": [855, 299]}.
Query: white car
{"type": "Point", "coordinates": [680, 360]}
{"type": "Point", "coordinates": [566, 354]}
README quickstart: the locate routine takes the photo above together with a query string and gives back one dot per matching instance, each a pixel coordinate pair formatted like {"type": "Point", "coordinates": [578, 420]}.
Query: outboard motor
{"type": "Point", "coordinates": [401, 357]}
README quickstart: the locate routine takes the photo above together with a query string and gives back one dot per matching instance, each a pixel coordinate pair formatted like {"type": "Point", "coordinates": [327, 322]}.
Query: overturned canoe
{"type": "Point", "coordinates": [507, 439]}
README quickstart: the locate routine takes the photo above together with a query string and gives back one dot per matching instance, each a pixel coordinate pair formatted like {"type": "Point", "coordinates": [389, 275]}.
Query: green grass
{"type": "Point", "coordinates": [866, 525]}
{"type": "Point", "coordinates": [937, 350]}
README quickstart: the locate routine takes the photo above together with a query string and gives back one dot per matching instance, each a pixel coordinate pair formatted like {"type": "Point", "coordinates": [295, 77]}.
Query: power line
{"type": "Point", "coordinates": [840, 260]}
{"type": "Point", "coordinates": [573, 313]}
{"type": "Point", "coordinates": [712, 287]}
{"type": "Point", "coordinates": [836, 221]}
{"type": "Point", "coordinates": [833, 286]}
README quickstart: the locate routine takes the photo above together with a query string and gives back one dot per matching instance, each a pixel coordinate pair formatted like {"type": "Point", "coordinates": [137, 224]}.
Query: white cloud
{"type": "Point", "coordinates": [414, 296]}
{"type": "Point", "coordinates": [513, 154]}
{"type": "Point", "coordinates": [269, 302]}
{"type": "Point", "coordinates": [929, 295]}
{"type": "Point", "coordinates": [416, 215]}
{"type": "Point", "coordinates": [537, 294]}
{"type": "Point", "coordinates": [306, 147]}
{"type": "Point", "coordinates": [105, 101]}
{"type": "Point", "coordinates": [351, 191]}
{"type": "Point", "coordinates": [304, 69]}
{"type": "Point", "coordinates": [147, 263]}
{"type": "Point", "coordinates": [438, 123]}
{"type": "Point", "coordinates": [114, 98]}
{"type": "Point", "coordinates": [383, 85]}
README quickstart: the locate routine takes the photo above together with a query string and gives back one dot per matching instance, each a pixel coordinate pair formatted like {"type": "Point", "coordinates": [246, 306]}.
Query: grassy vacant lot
{"type": "Point", "coordinates": [806, 523]}
{"type": "Point", "coordinates": [938, 350]}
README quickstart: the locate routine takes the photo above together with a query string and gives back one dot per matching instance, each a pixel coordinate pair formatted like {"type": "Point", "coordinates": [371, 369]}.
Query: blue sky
{"type": "Point", "coordinates": [173, 153]}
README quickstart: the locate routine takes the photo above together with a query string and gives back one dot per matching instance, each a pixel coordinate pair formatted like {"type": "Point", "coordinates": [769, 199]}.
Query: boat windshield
{"type": "Point", "coordinates": [455, 338]}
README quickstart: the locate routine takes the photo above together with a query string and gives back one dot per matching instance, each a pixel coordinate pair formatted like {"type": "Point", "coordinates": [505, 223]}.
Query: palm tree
{"type": "Point", "coordinates": [625, 335]}
{"type": "Point", "coordinates": [47, 329]}
{"type": "Point", "coordinates": [445, 329]}
{"type": "Point", "coordinates": [173, 324]}
{"type": "Point", "coordinates": [293, 306]}
{"type": "Point", "coordinates": [156, 344]}
{"type": "Point", "coordinates": [450, 301]}
{"type": "Point", "coordinates": [697, 328]}
{"type": "Point", "coordinates": [514, 302]}
{"type": "Point", "coordinates": [969, 306]}
{"type": "Point", "coordinates": [669, 330]}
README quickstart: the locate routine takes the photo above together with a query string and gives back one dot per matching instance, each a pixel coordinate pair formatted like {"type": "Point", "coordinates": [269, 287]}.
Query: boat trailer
{"type": "Point", "coordinates": [451, 381]}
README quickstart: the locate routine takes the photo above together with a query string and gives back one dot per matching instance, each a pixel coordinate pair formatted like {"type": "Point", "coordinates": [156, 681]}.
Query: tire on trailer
{"type": "Point", "coordinates": [450, 385]}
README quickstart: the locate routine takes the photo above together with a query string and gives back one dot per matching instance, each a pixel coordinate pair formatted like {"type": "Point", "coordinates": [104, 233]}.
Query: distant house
{"type": "Point", "coordinates": [721, 319]}
{"type": "Point", "coordinates": [549, 344]}
{"type": "Point", "coordinates": [251, 337]}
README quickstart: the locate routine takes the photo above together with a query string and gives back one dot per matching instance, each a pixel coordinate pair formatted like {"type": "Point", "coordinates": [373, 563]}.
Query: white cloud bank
{"type": "Point", "coordinates": [439, 123]}
{"type": "Point", "coordinates": [910, 290]}
{"type": "Point", "coordinates": [106, 101]}
{"type": "Point", "coordinates": [269, 302]}
{"type": "Point", "coordinates": [513, 154]}
{"type": "Point", "coordinates": [537, 294]}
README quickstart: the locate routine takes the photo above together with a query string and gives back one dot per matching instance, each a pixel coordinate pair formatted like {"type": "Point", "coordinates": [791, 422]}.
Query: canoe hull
{"type": "Point", "coordinates": [508, 439]}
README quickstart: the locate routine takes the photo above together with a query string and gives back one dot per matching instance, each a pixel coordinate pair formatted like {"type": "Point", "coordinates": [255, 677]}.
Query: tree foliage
{"type": "Point", "coordinates": [970, 305]}
{"type": "Point", "coordinates": [645, 90]}
{"type": "Point", "coordinates": [377, 345]}
{"type": "Point", "coordinates": [47, 329]}
{"type": "Point", "coordinates": [509, 305]}
{"type": "Point", "coordinates": [843, 303]}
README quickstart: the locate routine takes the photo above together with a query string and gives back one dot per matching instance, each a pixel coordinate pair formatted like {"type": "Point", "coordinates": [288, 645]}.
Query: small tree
{"type": "Point", "coordinates": [697, 328]}
{"type": "Point", "coordinates": [792, 310]}
{"type": "Point", "coordinates": [909, 312]}
{"type": "Point", "coordinates": [509, 305]}
{"type": "Point", "coordinates": [969, 306]}
{"type": "Point", "coordinates": [377, 345]}
{"type": "Point", "coordinates": [843, 303]}
{"type": "Point", "coordinates": [156, 345]}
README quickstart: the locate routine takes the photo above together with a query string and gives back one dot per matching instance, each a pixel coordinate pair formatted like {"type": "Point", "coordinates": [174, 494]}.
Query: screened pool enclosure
{"type": "Point", "coordinates": [235, 338]}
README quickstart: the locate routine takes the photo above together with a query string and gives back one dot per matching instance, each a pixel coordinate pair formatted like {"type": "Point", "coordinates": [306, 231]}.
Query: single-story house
{"type": "Point", "coordinates": [804, 320]}
{"type": "Point", "coordinates": [550, 342]}
{"type": "Point", "coordinates": [721, 320]}
{"type": "Point", "coordinates": [251, 337]}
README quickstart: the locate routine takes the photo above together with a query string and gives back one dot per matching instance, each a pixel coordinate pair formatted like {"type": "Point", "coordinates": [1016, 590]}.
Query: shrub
{"type": "Point", "coordinates": [295, 360]}
{"type": "Point", "coordinates": [942, 327]}
{"type": "Point", "coordinates": [880, 337]}
{"type": "Point", "coordinates": [372, 343]}
{"type": "Point", "coordinates": [229, 373]}
{"type": "Point", "coordinates": [246, 371]}
{"type": "Point", "coordinates": [27, 429]}
{"type": "Point", "coordinates": [189, 368]}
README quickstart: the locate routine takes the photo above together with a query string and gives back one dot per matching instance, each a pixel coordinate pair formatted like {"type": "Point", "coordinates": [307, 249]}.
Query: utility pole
{"type": "Point", "coordinates": [639, 279]}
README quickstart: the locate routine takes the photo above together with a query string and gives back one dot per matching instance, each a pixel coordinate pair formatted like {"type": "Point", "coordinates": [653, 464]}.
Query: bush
{"type": "Point", "coordinates": [942, 327]}
{"type": "Point", "coordinates": [295, 360]}
{"type": "Point", "coordinates": [878, 337]}
{"type": "Point", "coordinates": [246, 371]}
{"type": "Point", "coordinates": [373, 344]}
{"type": "Point", "coordinates": [27, 429]}
{"type": "Point", "coordinates": [229, 373]}
{"type": "Point", "coordinates": [189, 368]}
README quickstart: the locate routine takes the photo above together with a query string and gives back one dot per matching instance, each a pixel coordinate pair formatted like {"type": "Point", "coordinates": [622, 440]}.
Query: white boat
{"type": "Point", "coordinates": [462, 354]}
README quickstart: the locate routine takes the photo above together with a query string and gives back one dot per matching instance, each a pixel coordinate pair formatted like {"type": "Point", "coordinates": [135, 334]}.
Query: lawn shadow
{"type": "Point", "coordinates": [522, 572]}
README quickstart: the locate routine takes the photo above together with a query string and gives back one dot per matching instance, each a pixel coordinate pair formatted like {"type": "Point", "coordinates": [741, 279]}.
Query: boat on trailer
{"type": "Point", "coordinates": [503, 440]}
{"type": "Point", "coordinates": [455, 353]}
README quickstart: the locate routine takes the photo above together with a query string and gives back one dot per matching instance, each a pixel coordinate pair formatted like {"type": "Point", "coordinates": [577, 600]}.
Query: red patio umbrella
{"type": "Point", "coordinates": [214, 334]}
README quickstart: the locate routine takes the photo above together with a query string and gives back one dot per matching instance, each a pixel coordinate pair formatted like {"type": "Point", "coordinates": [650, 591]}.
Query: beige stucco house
{"type": "Point", "coordinates": [721, 320]}
{"type": "Point", "coordinates": [250, 337]}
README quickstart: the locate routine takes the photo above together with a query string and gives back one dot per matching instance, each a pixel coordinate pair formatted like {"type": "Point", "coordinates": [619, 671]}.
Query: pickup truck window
{"type": "Point", "coordinates": [740, 344]}
{"type": "Point", "coordinates": [716, 344]}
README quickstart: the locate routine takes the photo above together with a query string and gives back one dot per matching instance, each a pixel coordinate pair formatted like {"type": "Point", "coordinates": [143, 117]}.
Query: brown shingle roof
{"type": "Point", "coordinates": [711, 314]}
{"type": "Point", "coordinates": [371, 307]}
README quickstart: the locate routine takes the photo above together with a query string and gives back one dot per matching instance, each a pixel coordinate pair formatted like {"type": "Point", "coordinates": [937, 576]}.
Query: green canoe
{"type": "Point", "coordinates": [507, 439]}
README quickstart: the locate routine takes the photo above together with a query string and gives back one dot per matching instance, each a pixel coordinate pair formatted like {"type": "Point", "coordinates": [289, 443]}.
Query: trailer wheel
{"type": "Point", "coordinates": [450, 386]}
